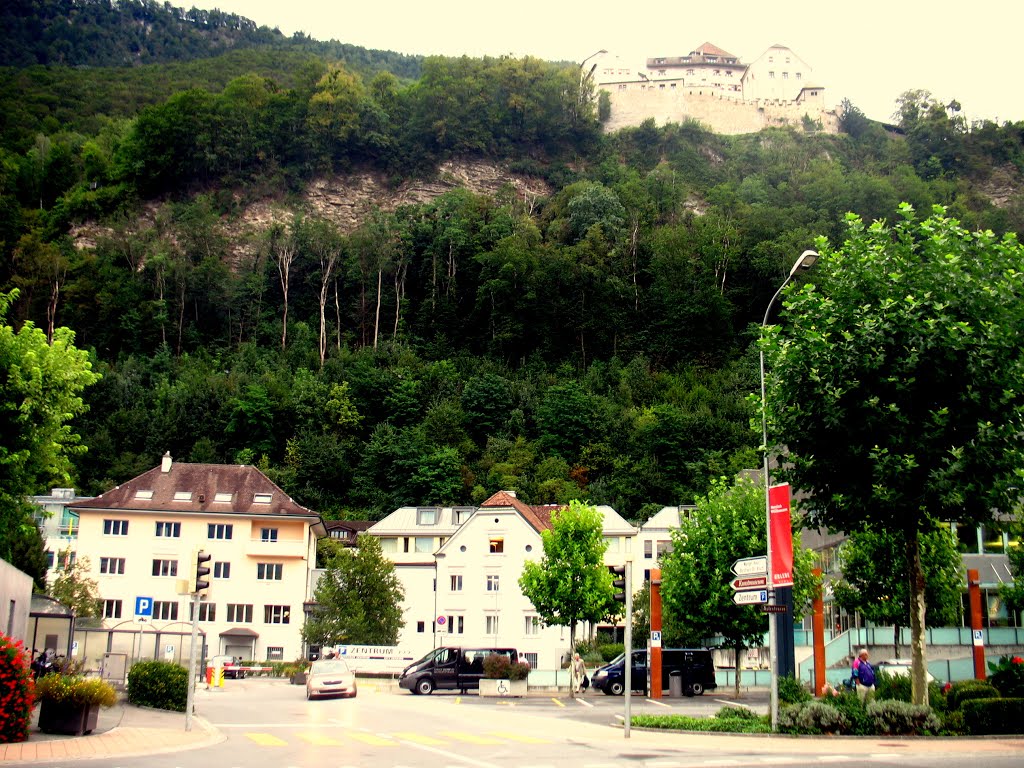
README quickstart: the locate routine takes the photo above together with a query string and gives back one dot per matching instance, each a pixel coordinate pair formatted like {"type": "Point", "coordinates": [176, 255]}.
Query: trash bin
{"type": "Point", "coordinates": [675, 684]}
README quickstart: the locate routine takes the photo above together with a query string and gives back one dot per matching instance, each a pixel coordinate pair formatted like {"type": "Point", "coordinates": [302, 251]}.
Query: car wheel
{"type": "Point", "coordinates": [697, 689]}
{"type": "Point", "coordinates": [424, 686]}
{"type": "Point", "coordinates": [616, 688]}
{"type": "Point", "coordinates": [605, 691]}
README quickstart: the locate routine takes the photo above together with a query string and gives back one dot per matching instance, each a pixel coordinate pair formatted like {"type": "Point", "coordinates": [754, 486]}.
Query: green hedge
{"type": "Point", "coordinates": [993, 716]}
{"type": "Point", "coordinates": [968, 690]}
{"type": "Point", "coordinates": [158, 684]}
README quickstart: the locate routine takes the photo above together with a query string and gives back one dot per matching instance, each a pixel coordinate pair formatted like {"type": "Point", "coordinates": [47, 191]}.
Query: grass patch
{"type": "Point", "coordinates": [726, 720]}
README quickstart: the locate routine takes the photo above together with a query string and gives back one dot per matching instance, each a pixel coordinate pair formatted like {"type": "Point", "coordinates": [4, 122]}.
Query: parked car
{"type": "Point", "coordinates": [450, 669]}
{"type": "Point", "coordinates": [231, 666]}
{"type": "Point", "coordinates": [695, 666]}
{"type": "Point", "coordinates": [330, 677]}
{"type": "Point", "coordinates": [900, 667]}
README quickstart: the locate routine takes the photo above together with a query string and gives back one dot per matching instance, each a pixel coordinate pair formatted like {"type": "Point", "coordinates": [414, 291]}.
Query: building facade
{"type": "Point", "coordinates": [140, 539]}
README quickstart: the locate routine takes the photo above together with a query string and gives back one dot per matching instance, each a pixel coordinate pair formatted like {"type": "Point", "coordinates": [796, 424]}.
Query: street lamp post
{"type": "Point", "coordinates": [807, 258]}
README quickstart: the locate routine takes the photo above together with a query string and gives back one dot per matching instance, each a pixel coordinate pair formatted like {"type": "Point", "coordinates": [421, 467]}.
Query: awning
{"type": "Point", "coordinates": [239, 632]}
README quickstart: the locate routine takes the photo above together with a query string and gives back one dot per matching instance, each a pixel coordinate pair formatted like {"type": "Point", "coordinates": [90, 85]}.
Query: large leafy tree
{"type": "Point", "coordinates": [359, 599]}
{"type": "Point", "coordinates": [40, 392]}
{"type": "Point", "coordinates": [570, 583]}
{"type": "Point", "coordinates": [875, 582]}
{"type": "Point", "coordinates": [75, 589]}
{"type": "Point", "coordinates": [897, 385]}
{"type": "Point", "coordinates": [729, 523]}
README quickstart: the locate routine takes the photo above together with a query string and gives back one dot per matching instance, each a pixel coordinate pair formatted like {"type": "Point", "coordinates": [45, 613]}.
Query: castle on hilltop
{"type": "Point", "coordinates": [713, 87]}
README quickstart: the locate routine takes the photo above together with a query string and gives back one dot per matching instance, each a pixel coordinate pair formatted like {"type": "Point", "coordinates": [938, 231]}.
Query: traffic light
{"type": "Point", "coordinates": [198, 578]}
{"type": "Point", "coordinates": [619, 582]}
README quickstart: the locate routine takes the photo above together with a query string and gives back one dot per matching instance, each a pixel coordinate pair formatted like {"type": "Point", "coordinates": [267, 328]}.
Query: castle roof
{"type": "Point", "coordinates": [710, 49]}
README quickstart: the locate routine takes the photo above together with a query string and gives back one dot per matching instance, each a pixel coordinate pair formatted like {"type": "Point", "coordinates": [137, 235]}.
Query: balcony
{"type": "Point", "coordinates": [257, 547]}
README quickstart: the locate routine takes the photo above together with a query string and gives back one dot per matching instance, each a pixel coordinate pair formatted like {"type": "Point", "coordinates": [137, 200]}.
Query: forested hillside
{"type": "Point", "coordinates": [596, 341]}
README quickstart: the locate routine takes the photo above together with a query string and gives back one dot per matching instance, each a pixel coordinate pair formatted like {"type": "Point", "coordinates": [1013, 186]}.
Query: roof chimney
{"type": "Point", "coordinates": [511, 493]}
{"type": "Point", "coordinates": [165, 463]}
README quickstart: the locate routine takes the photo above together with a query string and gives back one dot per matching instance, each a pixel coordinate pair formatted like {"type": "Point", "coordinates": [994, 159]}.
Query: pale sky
{"type": "Point", "coordinates": [869, 51]}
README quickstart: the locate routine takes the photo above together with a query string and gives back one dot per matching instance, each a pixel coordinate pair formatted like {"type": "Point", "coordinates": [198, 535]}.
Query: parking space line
{"type": "Point", "coordinates": [470, 738]}
{"type": "Point", "coordinates": [372, 739]}
{"type": "Point", "coordinates": [558, 702]}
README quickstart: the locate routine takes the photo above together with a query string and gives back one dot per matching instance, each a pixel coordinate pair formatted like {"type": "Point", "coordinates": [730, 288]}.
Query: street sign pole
{"type": "Point", "coordinates": [191, 695]}
{"type": "Point", "coordinates": [627, 694]}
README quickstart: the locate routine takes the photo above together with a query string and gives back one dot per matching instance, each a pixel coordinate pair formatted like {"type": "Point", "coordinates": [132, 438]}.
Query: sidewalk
{"type": "Point", "coordinates": [121, 731]}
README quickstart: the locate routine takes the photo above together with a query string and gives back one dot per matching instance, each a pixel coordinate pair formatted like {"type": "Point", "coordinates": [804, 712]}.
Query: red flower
{"type": "Point", "coordinates": [1018, 660]}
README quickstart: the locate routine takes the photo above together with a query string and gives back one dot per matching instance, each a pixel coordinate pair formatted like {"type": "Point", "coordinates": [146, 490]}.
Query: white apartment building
{"type": "Point", "coordinates": [460, 568]}
{"type": "Point", "coordinates": [140, 538]}
{"type": "Point", "coordinates": [58, 525]}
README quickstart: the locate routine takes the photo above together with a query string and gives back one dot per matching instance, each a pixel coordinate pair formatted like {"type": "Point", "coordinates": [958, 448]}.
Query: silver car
{"type": "Point", "coordinates": [330, 677]}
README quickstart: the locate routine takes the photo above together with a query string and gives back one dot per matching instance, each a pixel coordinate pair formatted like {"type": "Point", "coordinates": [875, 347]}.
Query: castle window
{"type": "Point", "coordinates": [785, 75]}
{"type": "Point", "coordinates": [771, 75]}
{"type": "Point", "coordinates": [799, 75]}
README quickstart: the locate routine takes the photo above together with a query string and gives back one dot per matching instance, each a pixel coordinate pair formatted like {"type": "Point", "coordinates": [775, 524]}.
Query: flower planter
{"type": "Point", "coordinates": [502, 687]}
{"type": "Point", "coordinates": [71, 719]}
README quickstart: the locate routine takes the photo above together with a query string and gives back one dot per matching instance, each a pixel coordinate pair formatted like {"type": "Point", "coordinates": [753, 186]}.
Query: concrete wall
{"type": "Point", "coordinates": [15, 600]}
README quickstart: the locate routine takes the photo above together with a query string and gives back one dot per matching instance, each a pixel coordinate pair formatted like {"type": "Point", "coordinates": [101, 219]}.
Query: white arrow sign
{"type": "Point", "coordinates": [750, 582]}
{"type": "Point", "coordinates": [750, 566]}
{"type": "Point", "coordinates": [750, 598]}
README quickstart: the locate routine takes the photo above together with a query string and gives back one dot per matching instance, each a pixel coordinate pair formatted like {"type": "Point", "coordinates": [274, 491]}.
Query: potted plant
{"type": "Point", "coordinates": [504, 677]}
{"type": "Point", "coordinates": [70, 703]}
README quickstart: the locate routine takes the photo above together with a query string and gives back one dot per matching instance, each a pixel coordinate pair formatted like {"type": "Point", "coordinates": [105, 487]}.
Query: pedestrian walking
{"type": "Point", "coordinates": [580, 682]}
{"type": "Point", "coordinates": [863, 674]}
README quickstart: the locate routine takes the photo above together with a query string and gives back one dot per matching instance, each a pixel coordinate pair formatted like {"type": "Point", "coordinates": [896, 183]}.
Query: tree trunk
{"type": "Point", "coordinates": [376, 317]}
{"type": "Point", "coordinates": [919, 669]}
{"type": "Point", "coordinates": [896, 641]}
{"type": "Point", "coordinates": [739, 669]}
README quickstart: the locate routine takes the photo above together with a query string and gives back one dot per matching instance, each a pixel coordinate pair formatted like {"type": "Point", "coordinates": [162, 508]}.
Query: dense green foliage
{"type": "Point", "coordinates": [591, 341]}
{"type": "Point", "coordinates": [16, 690]}
{"type": "Point", "coordinates": [1007, 674]}
{"type": "Point", "coordinates": [993, 716]}
{"type": "Point", "coordinates": [726, 720]}
{"type": "Point", "coordinates": [159, 684]}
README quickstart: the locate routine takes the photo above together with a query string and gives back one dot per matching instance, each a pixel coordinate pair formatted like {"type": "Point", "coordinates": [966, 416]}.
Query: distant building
{"type": "Point", "coordinates": [58, 524]}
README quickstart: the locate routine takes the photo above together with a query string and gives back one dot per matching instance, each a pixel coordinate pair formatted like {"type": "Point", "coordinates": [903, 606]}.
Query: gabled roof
{"type": "Point", "coordinates": [709, 49]}
{"type": "Point", "coordinates": [532, 515]}
{"type": "Point", "coordinates": [667, 518]}
{"type": "Point", "coordinates": [204, 481]}
{"type": "Point", "coordinates": [348, 525]}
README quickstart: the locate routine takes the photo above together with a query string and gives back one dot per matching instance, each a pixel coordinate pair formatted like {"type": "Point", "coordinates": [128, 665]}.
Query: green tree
{"type": "Point", "coordinates": [729, 523]}
{"type": "Point", "coordinates": [875, 578]}
{"type": "Point", "coordinates": [570, 583]}
{"type": "Point", "coordinates": [359, 599]}
{"type": "Point", "coordinates": [40, 393]}
{"type": "Point", "coordinates": [1013, 593]}
{"type": "Point", "coordinates": [897, 387]}
{"type": "Point", "coordinates": [75, 589]}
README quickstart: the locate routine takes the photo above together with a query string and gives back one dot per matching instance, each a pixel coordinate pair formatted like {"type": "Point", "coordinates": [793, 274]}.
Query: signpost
{"type": "Point", "coordinates": [750, 582]}
{"type": "Point", "coordinates": [750, 566]}
{"type": "Point", "coordinates": [143, 609]}
{"type": "Point", "coordinates": [774, 609]}
{"type": "Point", "coordinates": [751, 597]}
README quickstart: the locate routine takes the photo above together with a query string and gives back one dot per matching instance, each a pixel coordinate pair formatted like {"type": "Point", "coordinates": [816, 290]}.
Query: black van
{"type": "Point", "coordinates": [450, 669]}
{"type": "Point", "coordinates": [695, 666]}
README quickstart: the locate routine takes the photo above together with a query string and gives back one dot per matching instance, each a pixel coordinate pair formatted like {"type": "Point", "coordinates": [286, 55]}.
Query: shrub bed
{"type": "Point", "coordinates": [968, 690]}
{"type": "Point", "coordinates": [993, 716]}
{"type": "Point", "coordinates": [159, 684]}
{"type": "Point", "coordinates": [900, 718]}
{"type": "Point", "coordinates": [726, 720]}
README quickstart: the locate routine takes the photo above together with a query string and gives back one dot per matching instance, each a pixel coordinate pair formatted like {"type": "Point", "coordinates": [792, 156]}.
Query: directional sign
{"type": "Point", "coordinates": [750, 582]}
{"type": "Point", "coordinates": [143, 608]}
{"type": "Point", "coordinates": [750, 598]}
{"type": "Point", "coordinates": [750, 566]}
{"type": "Point", "coordinates": [774, 609]}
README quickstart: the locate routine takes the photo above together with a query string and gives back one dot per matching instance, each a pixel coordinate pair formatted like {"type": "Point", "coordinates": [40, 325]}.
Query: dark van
{"type": "Point", "coordinates": [450, 669]}
{"type": "Point", "coordinates": [695, 666]}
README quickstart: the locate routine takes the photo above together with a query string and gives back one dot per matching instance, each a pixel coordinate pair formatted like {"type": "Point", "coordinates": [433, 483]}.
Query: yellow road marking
{"type": "Point", "coordinates": [369, 738]}
{"type": "Point", "coordinates": [559, 703]}
{"type": "Point", "coordinates": [320, 740]}
{"type": "Point", "coordinates": [266, 740]}
{"type": "Point", "coordinates": [470, 738]}
{"type": "Point", "coordinates": [518, 737]}
{"type": "Point", "coordinates": [417, 738]}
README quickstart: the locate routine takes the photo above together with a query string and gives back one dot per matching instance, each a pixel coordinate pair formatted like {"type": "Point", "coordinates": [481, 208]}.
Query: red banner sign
{"type": "Point", "coordinates": [782, 536]}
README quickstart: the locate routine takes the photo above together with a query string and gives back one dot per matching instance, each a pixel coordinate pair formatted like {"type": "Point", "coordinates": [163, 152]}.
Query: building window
{"type": "Point", "coordinates": [532, 626]}
{"type": "Point", "coordinates": [493, 582]}
{"type": "Point", "coordinates": [456, 582]}
{"type": "Point", "coordinates": [168, 530]}
{"type": "Point", "coordinates": [612, 543]}
{"type": "Point", "coordinates": [239, 613]}
{"type": "Point", "coordinates": [143, 494]}
{"type": "Point", "coordinates": [456, 624]}
{"type": "Point", "coordinates": [276, 614]}
{"type": "Point", "coordinates": [424, 544]}
{"type": "Point", "coordinates": [462, 515]}
{"type": "Point", "coordinates": [223, 497]}
{"type": "Point", "coordinates": [492, 625]}
{"type": "Point", "coordinates": [165, 610]}
{"type": "Point", "coordinates": [269, 571]}
{"type": "Point", "coordinates": [219, 530]}
{"type": "Point", "coordinates": [648, 549]}
{"type": "Point", "coordinates": [112, 565]}
{"type": "Point", "coordinates": [664, 547]}
{"type": "Point", "coordinates": [497, 545]}
{"type": "Point", "coordinates": [165, 567]}
{"type": "Point", "coordinates": [115, 527]}
{"type": "Point", "coordinates": [222, 570]}
{"type": "Point", "coordinates": [111, 609]}
{"type": "Point", "coordinates": [49, 559]}
{"type": "Point", "coordinates": [275, 653]}
{"type": "Point", "coordinates": [389, 545]}
{"type": "Point", "coordinates": [799, 75]}
{"type": "Point", "coordinates": [207, 611]}
{"type": "Point", "coordinates": [261, 498]}
{"type": "Point", "coordinates": [785, 75]}
{"type": "Point", "coordinates": [183, 495]}
{"type": "Point", "coordinates": [531, 659]}
{"type": "Point", "coordinates": [268, 534]}
{"type": "Point", "coordinates": [420, 626]}
{"type": "Point", "coordinates": [771, 75]}
{"type": "Point", "coordinates": [426, 516]}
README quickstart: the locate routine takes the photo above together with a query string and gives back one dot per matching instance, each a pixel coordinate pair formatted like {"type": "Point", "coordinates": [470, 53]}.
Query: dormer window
{"type": "Point", "coordinates": [262, 498]}
{"type": "Point", "coordinates": [223, 497]}
{"type": "Point", "coordinates": [183, 495]}
{"type": "Point", "coordinates": [462, 515]}
{"type": "Point", "coordinates": [426, 516]}
{"type": "Point", "coordinates": [143, 494]}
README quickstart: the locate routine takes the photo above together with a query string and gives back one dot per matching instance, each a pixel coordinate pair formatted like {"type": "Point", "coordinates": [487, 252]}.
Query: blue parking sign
{"type": "Point", "coordinates": [144, 606]}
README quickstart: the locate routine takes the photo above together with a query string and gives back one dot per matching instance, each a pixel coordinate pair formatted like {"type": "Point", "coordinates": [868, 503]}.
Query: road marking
{"type": "Point", "coordinates": [559, 703]}
{"type": "Point", "coordinates": [524, 738]}
{"type": "Point", "coordinates": [659, 703]}
{"type": "Point", "coordinates": [453, 756]}
{"type": "Point", "coordinates": [266, 740]}
{"type": "Point", "coordinates": [584, 703]}
{"type": "Point", "coordinates": [469, 738]}
{"type": "Point", "coordinates": [418, 738]}
{"type": "Point", "coordinates": [372, 739]}
{"type": "Point", "coordinates": [320, 740]}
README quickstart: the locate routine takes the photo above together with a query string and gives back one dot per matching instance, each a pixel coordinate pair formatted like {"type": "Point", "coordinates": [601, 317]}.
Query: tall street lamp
{"type": "Point", "coordinates": [807, 258]}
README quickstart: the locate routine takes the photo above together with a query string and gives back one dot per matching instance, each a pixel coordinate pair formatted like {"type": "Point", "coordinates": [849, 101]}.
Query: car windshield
{"type": "Point", "coordinates": [329, 667]}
